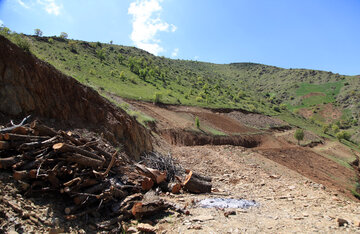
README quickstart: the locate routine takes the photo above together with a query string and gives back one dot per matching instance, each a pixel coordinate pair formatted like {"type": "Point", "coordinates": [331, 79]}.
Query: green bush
{"type": "Point", "coordinates": [299, 135]}
{"type": "Point", "coordinates": [343, 135]}
{"type": "Point", "coordinates": [157, 98]}
{"type": "Point", "coordinates": [197, 122]}
{"type": "Point", "coordinates": [23, 43]}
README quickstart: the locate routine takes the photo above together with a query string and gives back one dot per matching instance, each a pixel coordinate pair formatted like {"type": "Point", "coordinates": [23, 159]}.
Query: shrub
{"type": "Point", "coordinates": [122, 75]}
{"type": "Point", "coordinates": [197, 122]}
{"type": "Point", "coordinates": [335, 128]}
{"type": "Point", "coordinates": [157, 98]}
{"type": "Point", "coordinates": [199, 99]}
{"type": "Point", "coordinates": [23, 43]}
{"type": "Point", "coordinates": [100, 54]}
{"type": "Point", "coordinates": [343, 135]}
{"type": "Point", "coordinates": [299, 135]}
{"type": "Point", "coordinates": [51, 41]}
{"type": "Point", "coordinates": [92, 72]}
{"type": "Point", "coordinates": [5, 30]}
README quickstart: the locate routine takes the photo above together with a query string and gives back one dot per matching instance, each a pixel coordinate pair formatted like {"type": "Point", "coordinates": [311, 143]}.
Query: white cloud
{"type": "Point", "coordinates": [1, 22]}
{"type": "Point", "coordinates": [146, 24]}
{"type": "Point", "coordinates": [23, 4]}
{"type": "Point", "coordinates": [175, 52]}
{"type": "Point", "coordinates": [50, 6]}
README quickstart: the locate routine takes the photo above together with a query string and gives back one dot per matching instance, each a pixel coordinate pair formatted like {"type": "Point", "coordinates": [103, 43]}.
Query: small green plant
{"type": "Point", "coordinates": [157, 98]}
{"type": "Point", "coordinates": [197, 122]}
{"type": "Point", "coordinates": [299, 135]}
{"type": "Point", "coordinates": [92, 72]}
{"type": "Point", "coordinates": [51, 41]}
{"type": "Point", "coordinates": [335, 128]}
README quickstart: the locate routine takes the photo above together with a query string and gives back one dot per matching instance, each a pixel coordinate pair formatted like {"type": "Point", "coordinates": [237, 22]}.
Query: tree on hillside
{"type": "Point", "coordinates": [38, 32]}
{"type": "Point", "coordinates": [64, 35]}
{"type": "Point", "coordinates": [299, 135]}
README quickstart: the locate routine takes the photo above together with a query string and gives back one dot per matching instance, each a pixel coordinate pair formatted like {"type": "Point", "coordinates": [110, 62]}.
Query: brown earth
{"type": "Point", "coordinates": [328, 112]}
{"type": "Point", "coordinates": [312, 95]}
{"type": "Point", "coordinates": [279, 146]}
{"type": "Point", "coordinates": [31, 86]}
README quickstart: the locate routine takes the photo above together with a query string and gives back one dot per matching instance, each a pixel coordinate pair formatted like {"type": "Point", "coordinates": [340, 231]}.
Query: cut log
{"type": "Point", "coordinates": [174, 187]}
{"type": "Point", "coordinates": [63, 148]}
{"type": "Point", "coordinates": [160, 176]}
{"type": "Point", "coordinates": [24, 138]}
{"type": "Point", "coordinates": [36, 145]}
{"type": "Point", "coordinates": [9, 162]}
{"type": "Point", "coordinates": [154, 174]}
{"type": "Point", "coordinates": [91, 191]}
{"type": "Point", "coordinates": [140, 209]}
{"type": "Point", "coordinates": [194, 184]}
{"type": "Point", "coordinates": [21, 130]}
{"type": "Point", "coordinates": [4, 145]}
{"type": "Point", "coordinates": [68, 136]}
{"type": "Point", "coordinates": [84, 160]}
{"type": "Point", "coordinates": [147, 183]}
{"type": "Point", "coordinates": [42, 130]}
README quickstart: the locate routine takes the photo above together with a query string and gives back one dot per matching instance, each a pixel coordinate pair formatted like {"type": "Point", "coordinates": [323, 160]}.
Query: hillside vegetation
{"type": "Point", "coordinates": [136, 74]}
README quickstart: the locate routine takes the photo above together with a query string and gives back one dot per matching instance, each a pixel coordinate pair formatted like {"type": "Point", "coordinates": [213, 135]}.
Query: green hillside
{"type": "Point", "coordinates": [133, 73]}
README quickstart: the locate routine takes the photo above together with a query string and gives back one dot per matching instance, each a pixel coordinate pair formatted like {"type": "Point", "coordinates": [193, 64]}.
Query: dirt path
{"type": "Point", "coordinates": [288, 202]}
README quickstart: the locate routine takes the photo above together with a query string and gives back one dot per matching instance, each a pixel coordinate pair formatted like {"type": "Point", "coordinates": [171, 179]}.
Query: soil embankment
{"type": "Point", "coordinates": [31, 86]}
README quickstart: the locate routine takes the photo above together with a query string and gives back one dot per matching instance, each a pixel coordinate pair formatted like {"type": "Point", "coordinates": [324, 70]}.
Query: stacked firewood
{"type": "Point", "coordinates": [98, 180]}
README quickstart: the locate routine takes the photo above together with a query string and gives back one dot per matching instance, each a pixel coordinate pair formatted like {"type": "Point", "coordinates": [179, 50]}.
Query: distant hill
{"type": "Point", "coordinates": [322, 97]}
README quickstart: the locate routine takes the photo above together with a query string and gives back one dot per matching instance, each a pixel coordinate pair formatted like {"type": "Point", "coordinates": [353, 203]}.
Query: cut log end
{"type": "Point", "coordinates": [195, 184]}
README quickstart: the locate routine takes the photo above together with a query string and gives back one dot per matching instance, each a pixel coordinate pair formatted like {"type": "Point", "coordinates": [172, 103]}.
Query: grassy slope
{"type": "Point", "coordinates": [253, 87]}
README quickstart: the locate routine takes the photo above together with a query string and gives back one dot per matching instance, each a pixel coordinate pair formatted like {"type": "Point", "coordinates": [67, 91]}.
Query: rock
{"type": "Point", "coordinates": [230, 212]}
{"type": "Point", "coordinates": [202, 218]}
{"type": "Point", "coordinates": [274, 176]}
{"type": "Point", "coordinates": [357, 223]}
{"type": "Point", "coordinates": [144, 227]}
{"type": "Point", "coordinates": [341, 222]}
{"type": "Point", "coordinates": [292, 187]}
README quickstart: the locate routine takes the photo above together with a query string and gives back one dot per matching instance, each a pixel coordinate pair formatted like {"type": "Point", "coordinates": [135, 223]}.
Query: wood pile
{"type": "Point", "coordinates": [97, 180]}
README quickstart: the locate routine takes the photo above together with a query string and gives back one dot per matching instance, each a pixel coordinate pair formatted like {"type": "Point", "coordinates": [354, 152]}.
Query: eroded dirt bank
{"type": "Point", "coordinates": [192, 138]}
{"type": "Point", "coordinates": [31, 86]}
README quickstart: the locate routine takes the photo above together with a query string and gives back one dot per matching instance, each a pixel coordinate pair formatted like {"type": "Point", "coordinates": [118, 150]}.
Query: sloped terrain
{"type": "Point", "coordinates": [32, 86]}
{"type": "Point", "coordinates": [249, 155]}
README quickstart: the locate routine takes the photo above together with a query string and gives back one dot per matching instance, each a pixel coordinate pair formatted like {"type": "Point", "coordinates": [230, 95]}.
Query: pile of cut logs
{"type": "Point", "coordinates": [97, 180]}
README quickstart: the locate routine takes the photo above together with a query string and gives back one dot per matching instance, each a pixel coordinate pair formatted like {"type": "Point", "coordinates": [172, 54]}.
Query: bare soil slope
{"type": "Point", "coordinates": [174, 124]}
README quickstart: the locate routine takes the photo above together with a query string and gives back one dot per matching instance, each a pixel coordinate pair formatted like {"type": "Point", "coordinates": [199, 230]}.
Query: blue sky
{"type": "Point", "coordinates": [314, 34]}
